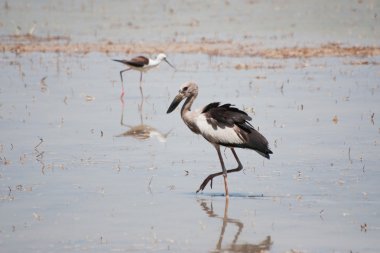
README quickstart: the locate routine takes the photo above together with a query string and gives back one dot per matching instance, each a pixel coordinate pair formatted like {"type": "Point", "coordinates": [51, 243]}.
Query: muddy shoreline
{"type": "Point", "coordinates": [61, 44]}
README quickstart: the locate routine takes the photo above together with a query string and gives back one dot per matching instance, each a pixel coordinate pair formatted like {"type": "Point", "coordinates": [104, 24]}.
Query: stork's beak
{"type": "Point", "coordinates": [175, 102]}
{"type": "Point", "coordinates": [170, 64]}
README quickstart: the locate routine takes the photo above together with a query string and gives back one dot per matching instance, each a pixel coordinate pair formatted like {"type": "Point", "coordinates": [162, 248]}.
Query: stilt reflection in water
{"type": "Point", "coordinates": [140, 131]}
{"type": "Point", "coordinates": [140, 108]}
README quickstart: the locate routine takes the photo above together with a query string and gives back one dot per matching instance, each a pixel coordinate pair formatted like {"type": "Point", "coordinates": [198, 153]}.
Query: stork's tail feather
{"type": "Point", "coordinates": [266, 153]}
{"type": "Point", "coordinates": [259, 143]}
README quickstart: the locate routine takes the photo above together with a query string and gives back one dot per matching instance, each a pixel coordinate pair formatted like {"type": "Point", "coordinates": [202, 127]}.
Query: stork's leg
{"type": "Point", "coordinates": [140, 77]}
{"type": "Point", "coordinates": [122, 82]}
{"type": "Point", "coordinates": [210, 177]}
{"type": "Point", "coordinates": [240, 166]}
{"type": "Point", "coordinates": [223, 168]}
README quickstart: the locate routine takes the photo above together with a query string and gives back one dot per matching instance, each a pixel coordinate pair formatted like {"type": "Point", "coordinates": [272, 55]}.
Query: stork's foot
{"type": "Point", "coordinates": [205, 182]}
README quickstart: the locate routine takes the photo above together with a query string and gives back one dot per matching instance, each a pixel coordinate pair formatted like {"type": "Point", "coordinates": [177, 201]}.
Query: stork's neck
{"type": "Point", "coordinates": [187, 105]}
{"type": "Point", "coordinates": [190, 117]}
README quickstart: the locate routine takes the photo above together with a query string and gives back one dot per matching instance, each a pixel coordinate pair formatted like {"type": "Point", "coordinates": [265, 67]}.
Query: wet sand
{"type": "Point", "coordinates": [82, 171]}
{"type": "Point", "coordinates": [28, 43]}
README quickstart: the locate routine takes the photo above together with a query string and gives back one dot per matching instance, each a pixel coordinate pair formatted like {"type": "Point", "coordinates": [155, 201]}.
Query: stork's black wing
{"type": "Point", "coordinates": [227, 116]}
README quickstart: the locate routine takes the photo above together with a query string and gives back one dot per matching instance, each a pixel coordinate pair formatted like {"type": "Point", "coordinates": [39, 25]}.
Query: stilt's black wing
{"type": "Point", "coordinates": [137, 62]}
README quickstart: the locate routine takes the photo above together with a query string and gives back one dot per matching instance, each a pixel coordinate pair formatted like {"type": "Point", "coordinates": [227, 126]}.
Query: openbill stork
{"type": "Point", "coordinates": [221, 125]}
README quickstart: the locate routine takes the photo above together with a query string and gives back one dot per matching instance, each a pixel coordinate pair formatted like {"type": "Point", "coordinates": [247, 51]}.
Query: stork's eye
{"type": "Point", "coordinates": [184, 88]}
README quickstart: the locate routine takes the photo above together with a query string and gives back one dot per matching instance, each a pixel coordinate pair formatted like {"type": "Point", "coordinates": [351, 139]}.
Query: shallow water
{"type": "Point", "coordinates": [68, 184]}
{"type": "Point", "coordinates": [83, 188]}
{"type": "Point", "coordinates": [272, 24]}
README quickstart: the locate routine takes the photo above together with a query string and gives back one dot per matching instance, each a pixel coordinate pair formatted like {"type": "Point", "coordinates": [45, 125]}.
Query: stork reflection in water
{"type": "Point", "coordinates": [221, 125]}
{"type": "Point", "coordinates": [234, 246]}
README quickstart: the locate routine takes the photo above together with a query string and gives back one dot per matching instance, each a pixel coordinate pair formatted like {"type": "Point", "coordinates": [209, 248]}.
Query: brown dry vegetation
{"type": "Point", "coordinates": [30, 43]}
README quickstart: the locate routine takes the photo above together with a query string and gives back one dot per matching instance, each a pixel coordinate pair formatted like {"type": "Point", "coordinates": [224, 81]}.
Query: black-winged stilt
{"type": "Point", "coordinates": [142, 64]}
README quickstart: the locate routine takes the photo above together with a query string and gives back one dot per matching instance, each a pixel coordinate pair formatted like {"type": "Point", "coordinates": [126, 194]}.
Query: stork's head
{"type": "Point", "coordinates": [189, 89]}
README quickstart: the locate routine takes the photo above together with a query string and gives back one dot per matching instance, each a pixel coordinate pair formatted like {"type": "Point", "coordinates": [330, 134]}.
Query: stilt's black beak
{"type": "Point", "coordinates": [175, 102]}
{"type": "Point", "coordinates": [170, 64]}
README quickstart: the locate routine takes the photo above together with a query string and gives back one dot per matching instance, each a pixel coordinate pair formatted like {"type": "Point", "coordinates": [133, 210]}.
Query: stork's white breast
{"type": "Point", "coordinates": [226, 135]}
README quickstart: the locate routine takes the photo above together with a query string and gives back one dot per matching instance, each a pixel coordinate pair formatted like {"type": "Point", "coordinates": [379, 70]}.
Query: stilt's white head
{"type": "Point", "coordinates": [162, 57]}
